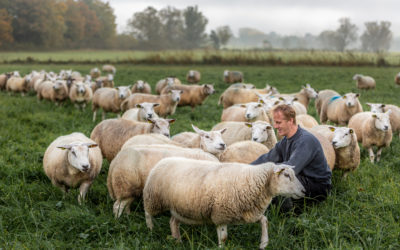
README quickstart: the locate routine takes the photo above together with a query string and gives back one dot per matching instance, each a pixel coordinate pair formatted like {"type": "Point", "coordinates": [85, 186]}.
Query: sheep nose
{"type": "Point", "coordinates": [222, 145]}
{"type": "Point", "coordinates": [255, 139]}
{"type": "Point", "coordinates": [166, 134]}
{"type": "Point", "coordinates": [85, 167]}
{"type": "Point", "coordinates": [386, 127]}
{"type": "Point", "coordinates": [334, 143]}
{"type": "Point", "coordinates": [248, 116]}
{"type": "Point", "coordinates": [150, 115]}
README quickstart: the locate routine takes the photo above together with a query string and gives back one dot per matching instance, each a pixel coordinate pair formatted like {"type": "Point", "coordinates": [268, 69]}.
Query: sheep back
{"type": "Point", "coordinates": [243, 152]}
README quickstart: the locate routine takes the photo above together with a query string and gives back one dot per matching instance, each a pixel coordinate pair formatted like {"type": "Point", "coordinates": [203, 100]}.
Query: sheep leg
{"type": "Point", "coordinates": [103, 115]}
{"type": "Point", "coordinates": [264, 232]}
{"type": "Point", "coordinates": [149, 220]}
{"type": "Point", "coordinates": [371, 155]}
{"type": "Point", "coordinates": [378, 154]}
{"type": "Point", "coordinates": [120, 206]}
{"type": "Point", "coordinates": [222, 231]}
{"type": "Point", "coordinates": [83, 189]}
{"type": "Point", "coordinates": [94, 115]}
{"type": "Point", "coordinates": [174, 225]}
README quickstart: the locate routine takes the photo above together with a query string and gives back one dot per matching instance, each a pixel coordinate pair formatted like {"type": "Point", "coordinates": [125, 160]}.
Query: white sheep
{"type": "Point", "coordinates": [54, 91]}
{"type": "Point", "coordinates": [306, 121]}
{"type": "Point", "coordinates": [168, 102]}
{"type": "Point", "coordinates": [299, 108]}
{"type": "Point", "coordinates": [226, 193]}
{"type": "Point", "coordinates": [169, 81]}
{"type": "Point", "coordinates": [95, 72]}
{"type": "Point", "coordinates": [149, 139]}
{"type": "Point", "coordinates": [142, 112]}
{"type": "Point", "coordinates": [364, 82]}
{"type": "Point", "coordinates": [394, 115]}
{"type": "Point", "coordinates": [141, 86]}
{"type": "Point", "coordinates": [397, 79]}
{"type": "Point", "coordinates": [372, 129]}
{"type": "Point", "coordinates": [327, 147]}
{"type": "Point", "coordinates": [109, 69]}
{"type": "Point", "coordinates": [128, 171]}
{"type": "Point", "coordinates": [344, 142]}
{"type": "Point", "coordinates": [232, 96]}
{"type": "Point", "coordinates": [111, 134]}
{"type": "Point", "coordinates": [79, 165]}
{"type": "Point", "coordinates": [80, 94]}
{"type": "Point", "coordinates": [233, 76]}
{"type": "Point", "coordinates": [209, 141]}
{"type": "Point", "coordinates": [106, 81]}
{"type": "Point", "coordinates": [248, 112]}
{"type": "Point", "coordinates": [109, 100]}
{"type": "Point", "coordinates": [192, 95]}
{"type": "Point", "coordinates": [193, 76]}
{"type": "Point", "coordinates": [240, 85]}
{"type": "Point", "coordinates": [243, 152]}
{"type": "Point", "coordinates": [18, 84]}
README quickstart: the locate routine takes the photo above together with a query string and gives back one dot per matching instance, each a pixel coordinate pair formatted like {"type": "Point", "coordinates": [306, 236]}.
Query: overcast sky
{"type": "Point", "coordinates": [287, 17]}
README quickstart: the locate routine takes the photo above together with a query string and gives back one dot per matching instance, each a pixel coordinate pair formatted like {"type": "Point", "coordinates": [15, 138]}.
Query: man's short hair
{"type": "Point", "coordinates": [287, 111]}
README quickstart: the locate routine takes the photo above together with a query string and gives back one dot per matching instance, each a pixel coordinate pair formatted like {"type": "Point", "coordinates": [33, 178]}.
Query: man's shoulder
{"type": "Point", "coordinates": [307, 136]}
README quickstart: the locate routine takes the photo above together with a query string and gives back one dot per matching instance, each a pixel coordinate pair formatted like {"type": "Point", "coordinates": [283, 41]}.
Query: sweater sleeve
{"type": "Point", "coordinates": [274, 155]}
{"type": "Point", "coordinates": [301, 156]}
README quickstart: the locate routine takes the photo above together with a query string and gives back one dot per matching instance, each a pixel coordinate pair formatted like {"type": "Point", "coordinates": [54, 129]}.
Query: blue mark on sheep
{"type": "Point", "coordinates": [334, 98]}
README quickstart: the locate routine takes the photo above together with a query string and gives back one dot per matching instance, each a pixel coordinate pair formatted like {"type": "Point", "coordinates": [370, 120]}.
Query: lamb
{"type": "Point", "coordinates": [169, 81]}
{"type": "Point", "coordinates": [306, 121]}
{"type": "Point", "coordinates": [364, 82]}
{"type": "Point", "coordinates": [106, 81]}
{"type": "Point", "coordinates": [233, 76]}
{"type": "Point", "coordinates": [142, 112]}
{"type": "Point", "coordinates": [344, 142]}
{"type": "Point", "coordinates": [111, 134]}
{"type": "Point", "coordinates": [95, 72]}
{"type": "Point", "coordinates": [18, 84]}
{"type": "Point", "coordinates": [109, 69]}
{"type": "Point", "coordinates": [141, 87]}
{"type": "Point", "coordinates": [80, 94]}
{"type": "Point", "coordinates": [129, 170]}
{"type": "Point", "coordinates": [394, 115]}
{"type": "Point", "coordinates": [55, 92]}
{"type": "Point", "coordinates": [243, 152]}
{"type": "Point", "coordinates": [168, 102]}
{"type": "Point", "coordinates": [226, 193]}
{"type": "Point", "coordinates": [79, 165]}
{"type": "Point", "coordinates": [339, 109]}
{"type": "Point", "coordinates": [372, 129]}
{"type": "Point", "coordinates": [248, 112]}
{"type": "Point", "coordinates": [192, 95]}
{"type": "Point", "coordinates": [232, 96]}
{"type": "Point", "coordinates": [193, 76]}
{"type": "Point", "coordinates": [397, 79]}
{"type": "Point", "coordinates": [109, 100]}
{"type": "Point", "coordinates": [209, 141]}
{"type": "Point", "coordinates": [149, 139]}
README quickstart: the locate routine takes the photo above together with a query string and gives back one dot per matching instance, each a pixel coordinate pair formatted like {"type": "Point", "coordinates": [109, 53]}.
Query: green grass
{"type": "Point", "coordinates": [363, 211]}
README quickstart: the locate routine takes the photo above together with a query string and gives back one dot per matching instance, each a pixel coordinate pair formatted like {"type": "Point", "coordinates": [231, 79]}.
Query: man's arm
{"type": "Point", "coordinates": [274, 155]}
{"type": "Point", "coordinates": [301, 155]}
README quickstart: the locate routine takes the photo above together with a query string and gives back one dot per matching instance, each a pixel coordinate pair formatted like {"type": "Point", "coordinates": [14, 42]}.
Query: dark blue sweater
{"type": "Point", "coordinates": [302, 151]}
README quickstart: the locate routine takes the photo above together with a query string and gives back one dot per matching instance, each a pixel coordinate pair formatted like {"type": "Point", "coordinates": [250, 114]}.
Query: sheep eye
{"type": "Point", "coordinates": [207, 137]}
{"type": "Point", "coordinates": [73, 152]}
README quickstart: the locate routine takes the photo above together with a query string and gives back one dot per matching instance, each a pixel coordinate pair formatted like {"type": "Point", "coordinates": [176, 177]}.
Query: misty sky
{"type": "Point", "coordinates": [287, 17]}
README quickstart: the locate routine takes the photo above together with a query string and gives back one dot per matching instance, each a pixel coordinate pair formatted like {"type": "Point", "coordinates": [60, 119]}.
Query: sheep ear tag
{"type": "Point", "coordinates": [278, 172]}
{"type": "Point", "coordinates": [92, 146]}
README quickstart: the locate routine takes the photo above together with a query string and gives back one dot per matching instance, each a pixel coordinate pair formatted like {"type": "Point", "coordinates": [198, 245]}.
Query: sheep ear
{"type": "Point", "coordinates": [308, 85]}
{"type": "Point", "coordinates": [369, 104]}
{"type": "Point", "coordinates": [389, 111]}
{"type": "Point", "coordinates": [351, 131]}
{"type": "Point", "coordinates": [223, 130]}
{"type": "Point", "coordinates": [279, 170]}
{"type": "Point", "coordinates": [295, 99]}
{"type": "Point", "coordinates": [344, 97]}
{"type": "Point", "coordinates": [156, 104]}
{"type": "Point", "coordinates": [248, 124]}
{"type": "Point", "coordinates": [276, 103]}
{"type": "Point", "coordinates": [64, 147]}
{"type": "Point", "coordinates": [243, 105]}
{"type": "Point", "coordinates": [181, 91]}
{"type": "Point", "coordinates": [261, 101]}
{"type": "Point", "coordinates": [259, 105]}
{"type": "Point", "coordinates": [268, 127]}
{"type": "Point", "coordinates": [138, 106]}
{"type": "Point", "coordinates": [374, 116]}
{"type": "Point", "coordinates": [358, 95]}
{"type": "Point", "coordinates": [332, 129]}
{"type": "Point", "coordinates": [197, 130]}
{"type": "Point", "coordinates": [281, 98]}
{"type": "Point", "coordinates": [171, 121]}
{"type": "Point", "coordinates": [383, 105]}
{"type": "Point", "coordinates": [91, 145]}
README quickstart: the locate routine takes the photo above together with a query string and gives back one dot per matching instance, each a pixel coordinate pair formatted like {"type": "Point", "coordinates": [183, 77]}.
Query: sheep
{"type": "Point", "coordinates": [248, 112]}
{"type": "Point", "coordinates": [344, 142]}
{"type": "Point", "coordinates": [209, 141]}
{"type": "Point", "coordinates": [306, 93]}
{"type": "Point", "coordinates": [95, 85]}
{"type": "Point", "coordinates": [149, 139]}
{"type": "Point", "coordinates": [233, 76]}
{"type": "Point", "coordinates": [17, 84]}
{"type": "Point", "coordinates": [109, 100]}
{"type": "Point", "coordinates": [364, 82]}
{"type": "Point", "coordinates": [109, 69]}
{"type": "Point", "coordinates": [79, 165]}
{"type": "Point", "coordinates": [306, 121]}
{"type": "Point", "coordinates": [372, 129]}
{"type": "Point", "coordinates": [141, 87]}
{"type": "Point", "coordinates": [55, 92]}
{"type": "Point", "coordinates": [128, 171]}
{"type": "Point", "coordinates": [394, 115]}
{"type": "Point", "coordinates": [243, 152]}
{"type": "Point", "coordinates": [106, 81]}
{"type": "Point", "coordinates": [267, 90]}
{"type": "Point", "coordinates": [80, 94]}
{"type": "Point", "coordinates": [40, 80]}
{"type": "Point", "coordinates": [111, 134]}
{"type": "Point", "coordinates": [242, 86]}
{"type": "Point", "coordinates": [297, 106]}
{"type": "Point", "coordinates": [169, 81]}
{"type": "Point", "coordinates": [168, 102]}
{"type": "Point", "coordinates": [4, 78]}
{"type": "Point", "coordinates": [329, 151]}
{"type": "Point", "coordinates": [198, 192]}
{"type": "Point", "coordinates": [142, 112]}
{"type": "Point", "coordinates": [193, 76]}
{"type": "Point", "coordinates": [339, 109]}
{"type": "Point", "coordinates": [397, 79]}
{"type": "Point", "coordinates": [192, 95]}
{"type": "Point", "coordinates": [95, 72]}
{"type": "Point", "coordinates": [232, 96]}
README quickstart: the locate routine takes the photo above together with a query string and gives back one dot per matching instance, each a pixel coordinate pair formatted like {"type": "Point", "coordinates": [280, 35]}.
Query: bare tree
{"type": "Point", "coordinates": [345, 34]}
{"type": "Point", "coordinates": [377, 37]}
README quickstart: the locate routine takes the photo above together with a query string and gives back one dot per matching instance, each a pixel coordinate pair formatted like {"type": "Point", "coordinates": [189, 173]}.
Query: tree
{"type": "Point", "coordinates": [172, 31]}
{"type": "Point", "coordinates": [5, 27]}
{"type": "Point", "coordinates": [224, 33]}
{"type": "Point", "coordinates": [194, 27]}
{"type": "Point", "coordinates": [214, 39]}
{"type": "Point", "coordinates": [327, 39]}
{"type": "Point", "coordinates": [345, 34]}
{"type": "Point", "coordinates": [376, 37]}
{"type": "Point", "coordinates": [146, 28]}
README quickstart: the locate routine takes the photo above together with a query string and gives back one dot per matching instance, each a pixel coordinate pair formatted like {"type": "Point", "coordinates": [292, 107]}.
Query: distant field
{"type": "Point", "coordinates": [363, 211]}
{"type": "Point", "coordinates": [231, 57]}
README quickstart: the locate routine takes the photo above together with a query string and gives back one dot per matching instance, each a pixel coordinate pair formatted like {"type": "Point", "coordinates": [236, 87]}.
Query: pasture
{"type": "Point", "coordinates": [363, 211]}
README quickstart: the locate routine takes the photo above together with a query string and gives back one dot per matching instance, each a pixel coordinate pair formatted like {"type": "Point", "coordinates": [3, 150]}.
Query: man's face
{"type": "Point", "coordinates": [281, 124]}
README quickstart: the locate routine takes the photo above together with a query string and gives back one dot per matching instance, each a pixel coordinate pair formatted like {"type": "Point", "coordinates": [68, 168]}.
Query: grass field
{"type": "Point", "coordinates": [363, 211]}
